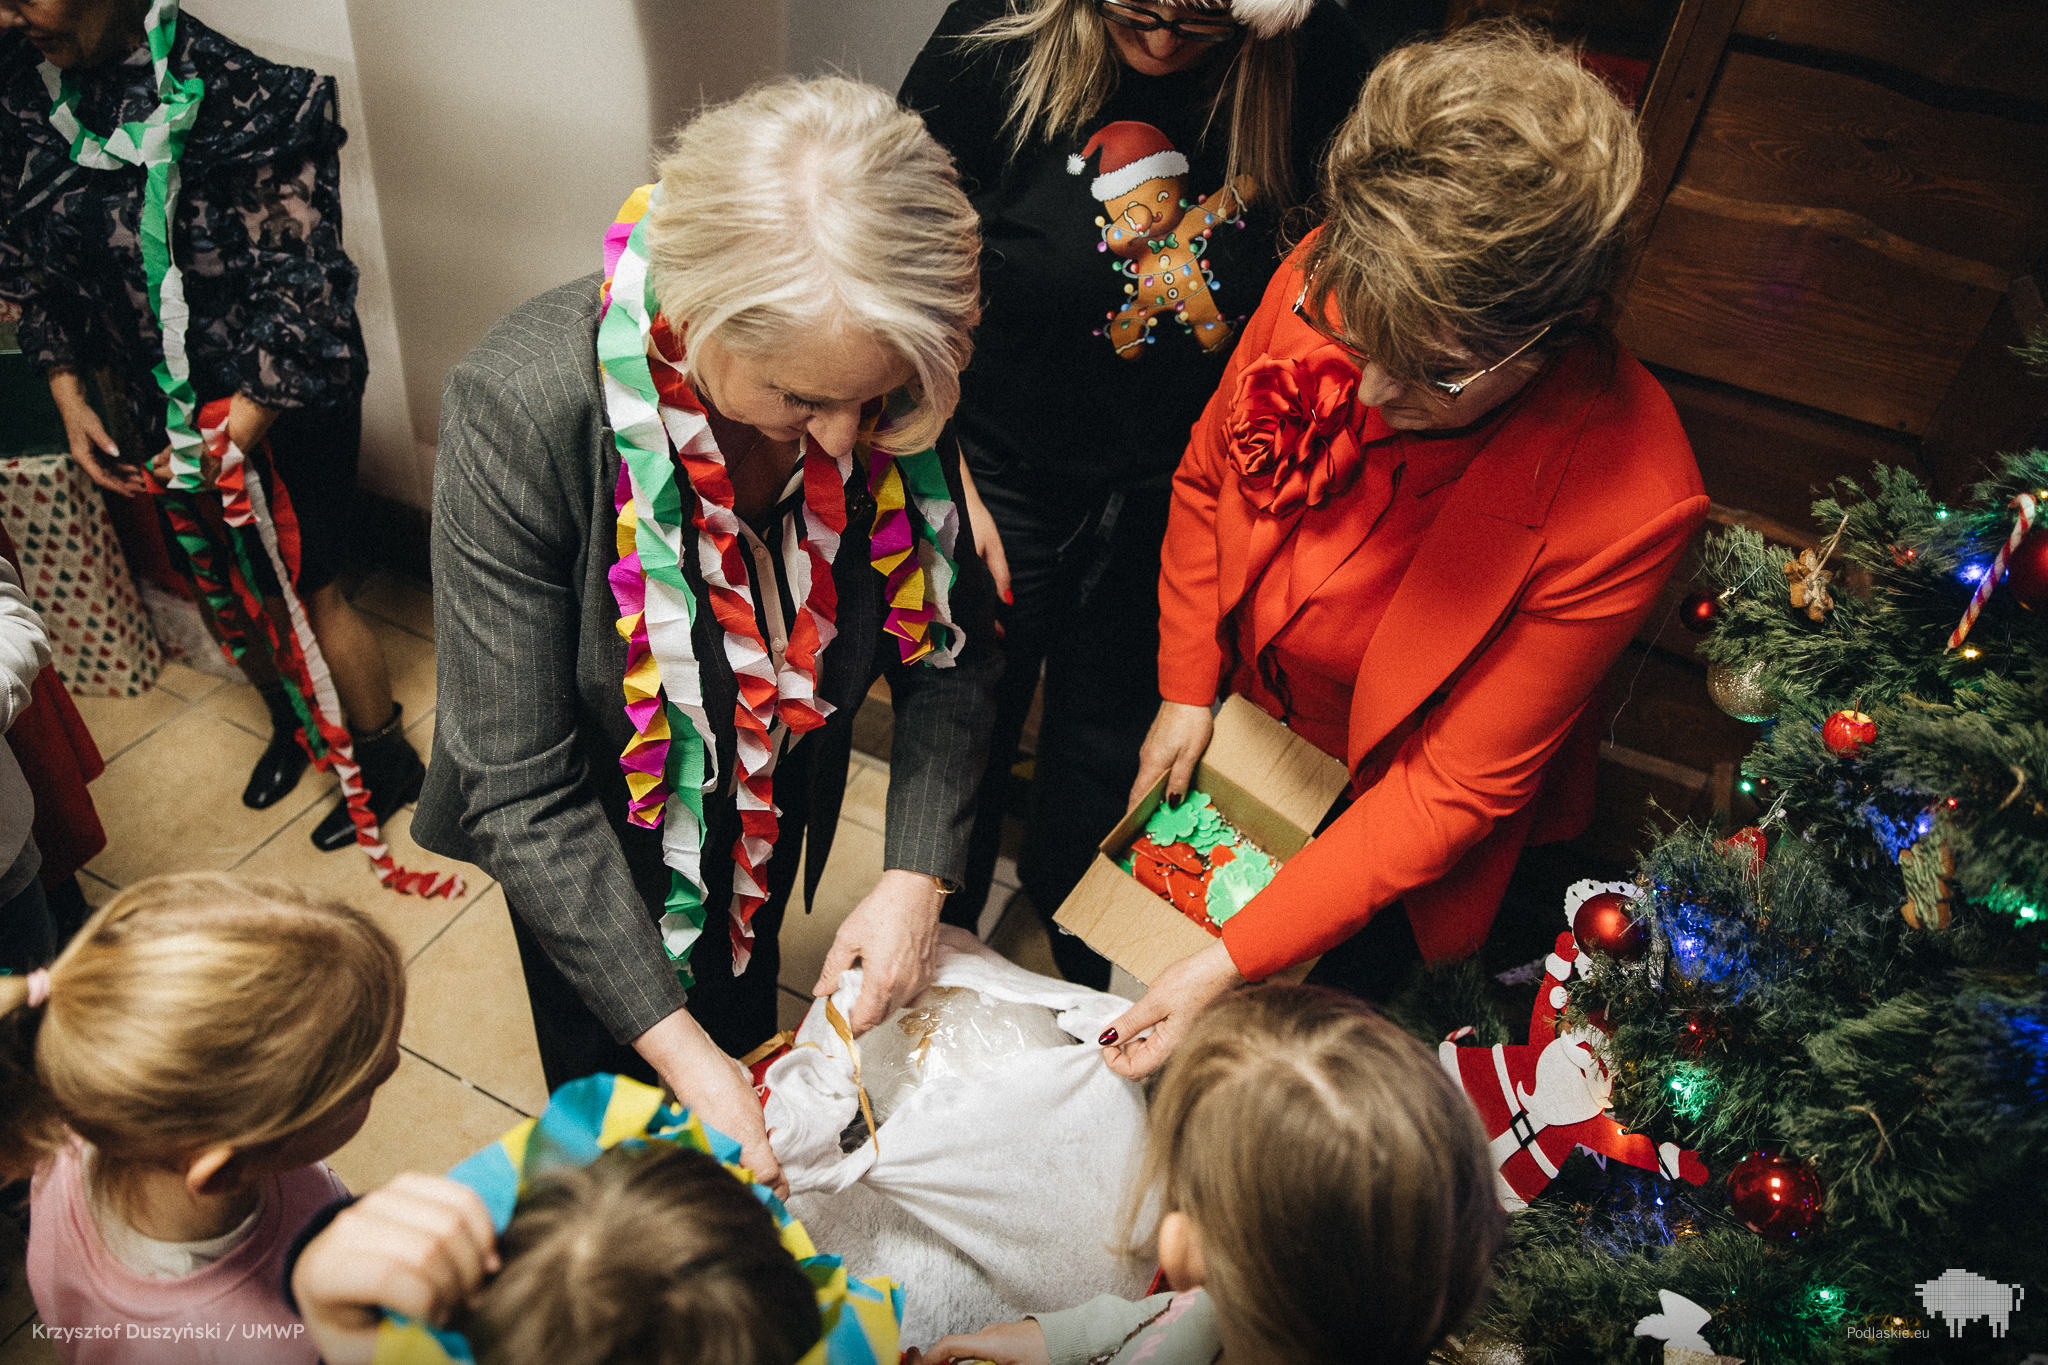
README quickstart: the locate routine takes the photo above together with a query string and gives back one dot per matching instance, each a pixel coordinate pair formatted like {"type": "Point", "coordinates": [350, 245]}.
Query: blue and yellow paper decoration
{"type": "Point", "coordinates": [585, 1118]}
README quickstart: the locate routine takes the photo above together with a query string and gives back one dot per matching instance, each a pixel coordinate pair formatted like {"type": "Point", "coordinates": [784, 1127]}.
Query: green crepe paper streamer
{"type": "Point", "coordinates": [1237, 881]}
{"type": "Point", "coordinates": [685, 781]}
{"type": "Point", "coordinates": [135, 144]}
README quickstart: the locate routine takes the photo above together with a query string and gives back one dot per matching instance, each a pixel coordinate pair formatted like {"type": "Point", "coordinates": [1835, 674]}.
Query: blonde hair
{"type": "Point", "coordinates": [1480, 191]}
{"type": "Point", "coordinates": [194, 1010]}
{"type": "Point", "coordinates": [655, 1255]}
{"type": "Point", "coordinates": [803, 207]}
{"type": "Point", "coordinates": [1072, 67]}
{"type": "Point", "coordinates": [1338, 1177]}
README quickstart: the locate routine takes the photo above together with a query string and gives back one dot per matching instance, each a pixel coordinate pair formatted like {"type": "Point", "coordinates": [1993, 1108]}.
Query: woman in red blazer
{"type": "Point", "coordinates": [1426, 508]}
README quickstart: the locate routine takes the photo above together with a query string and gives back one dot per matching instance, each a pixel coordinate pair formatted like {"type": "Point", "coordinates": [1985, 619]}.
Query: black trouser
{"type": "Point", "coordinates": [1084, 579]}
{"type": "Point", "coordinates": [1376, 962]}
{"type": "Point", "coordinates": [316, 452]}
{"type": "Point", "coordinates": [739, 1012]}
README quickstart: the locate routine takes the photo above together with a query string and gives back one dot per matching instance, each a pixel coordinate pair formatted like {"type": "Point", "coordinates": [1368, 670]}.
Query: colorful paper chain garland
{"type": "Point", "coordinates": [658, 424]}
{"type": "Point", "coordinates": [229, 531]}
{"type": "Point", "coordinates": [862, 1318]}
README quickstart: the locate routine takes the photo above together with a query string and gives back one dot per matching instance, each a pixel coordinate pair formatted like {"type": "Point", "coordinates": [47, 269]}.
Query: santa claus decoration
{"type": "Point", "coordinates": [1548, 1096]}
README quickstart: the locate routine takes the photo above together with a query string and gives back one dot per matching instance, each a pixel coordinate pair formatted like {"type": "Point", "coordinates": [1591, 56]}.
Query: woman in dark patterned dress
{"type": "Point", "coordinates": [272, 296]}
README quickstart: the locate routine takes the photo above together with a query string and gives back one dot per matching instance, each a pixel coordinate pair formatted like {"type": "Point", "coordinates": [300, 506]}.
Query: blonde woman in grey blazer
{"type": "Point", "coordinates": [810, 252]}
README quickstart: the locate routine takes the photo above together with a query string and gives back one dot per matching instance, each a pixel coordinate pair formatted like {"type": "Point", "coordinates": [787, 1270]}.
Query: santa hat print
{"type": "Point", "coordinates": [1132, 153]}
{"type": "Point", "coordinates": [1270, 18]}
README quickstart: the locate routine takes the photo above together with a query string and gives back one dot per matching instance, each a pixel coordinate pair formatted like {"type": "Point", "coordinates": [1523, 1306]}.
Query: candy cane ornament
{"type": "Point", "coordinates": [2022, 523]}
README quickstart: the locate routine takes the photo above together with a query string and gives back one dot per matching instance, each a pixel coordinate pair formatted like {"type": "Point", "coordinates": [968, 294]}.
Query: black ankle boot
{"type": "Point", "coordinates": [284, 761]}
{"type": "Point", "coordinates": [392, 774]}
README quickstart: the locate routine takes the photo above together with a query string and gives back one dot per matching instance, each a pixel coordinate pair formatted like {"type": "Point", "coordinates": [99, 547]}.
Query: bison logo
{"type": "Point", "coordinates": [1961, 1298]}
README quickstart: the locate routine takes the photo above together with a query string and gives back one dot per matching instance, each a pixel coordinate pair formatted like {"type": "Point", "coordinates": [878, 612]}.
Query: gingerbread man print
{"type": "Point", "coordinates": [1158, 235]}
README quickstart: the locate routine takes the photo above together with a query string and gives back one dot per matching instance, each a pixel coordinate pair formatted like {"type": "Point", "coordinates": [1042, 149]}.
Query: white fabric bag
{"type": "Point", "coordinates": [1021, 1169]}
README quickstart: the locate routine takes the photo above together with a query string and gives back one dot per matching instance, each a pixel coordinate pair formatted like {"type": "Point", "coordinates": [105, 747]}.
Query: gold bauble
{"type": "Point", "coordinates": [1740, 691]}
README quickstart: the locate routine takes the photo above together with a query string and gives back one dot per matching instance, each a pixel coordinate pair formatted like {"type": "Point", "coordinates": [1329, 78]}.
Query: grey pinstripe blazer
{"type": "Point", "coordinates": [524, 780]}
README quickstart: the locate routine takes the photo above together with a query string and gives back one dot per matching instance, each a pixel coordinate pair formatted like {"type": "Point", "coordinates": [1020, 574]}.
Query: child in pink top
{"type": "Point", "coordinates": [175, 1080]}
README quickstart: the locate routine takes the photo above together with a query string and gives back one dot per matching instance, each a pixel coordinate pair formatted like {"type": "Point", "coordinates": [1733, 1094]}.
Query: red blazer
{"type": "Point", "coordinates": [1555, 544]}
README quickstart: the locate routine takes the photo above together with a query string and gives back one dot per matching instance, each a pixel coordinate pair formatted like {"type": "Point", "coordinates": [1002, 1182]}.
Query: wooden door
{"type": "Point", "coordinates": [1848, 202]}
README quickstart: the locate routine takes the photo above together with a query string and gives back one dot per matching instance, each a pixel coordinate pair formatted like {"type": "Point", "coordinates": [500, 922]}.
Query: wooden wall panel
{"type": "Point", "coordinates": [1947, 182]}
{"type": "Point", "coordinates": [1996, 404]}
{"type": "Point", "coordinates": [1771, 457]}
{"type": "Point", "coordinates": [1683, 75]}
{"type": "Point", "coordinates": [1800, 311]}
{"type": "Point", "coordinates": [1999, 45]}
{"type": "Point", "coordinates": [1629, 28]}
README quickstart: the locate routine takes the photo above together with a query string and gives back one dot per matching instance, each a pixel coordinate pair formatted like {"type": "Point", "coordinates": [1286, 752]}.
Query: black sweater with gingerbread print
{"type": "Point", "coordinates": [1049, 407]}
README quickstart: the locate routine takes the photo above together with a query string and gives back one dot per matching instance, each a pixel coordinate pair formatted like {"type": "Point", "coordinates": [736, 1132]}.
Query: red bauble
{"type": "Point", "coordinates": [1700, 611]}
{"type": "Point", "coordinates": [1604, 923]}
{"type": "Point", "coordinates": [1846, 732]}
{"type": "Point", "coordinates": [1775, 1195]}
{"type": "Point", "coordinates": [2026, 571]}
{"type": "Point", "coordinates": [1750, 841]}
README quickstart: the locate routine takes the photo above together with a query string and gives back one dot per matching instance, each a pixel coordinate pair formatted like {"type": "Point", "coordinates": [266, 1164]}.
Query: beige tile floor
{"type": "Point", "coordinates": [177, 758]}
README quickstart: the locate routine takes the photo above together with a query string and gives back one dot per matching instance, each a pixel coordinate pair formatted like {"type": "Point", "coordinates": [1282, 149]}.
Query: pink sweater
{"type": "Point", "coordinates": [96, 1311]}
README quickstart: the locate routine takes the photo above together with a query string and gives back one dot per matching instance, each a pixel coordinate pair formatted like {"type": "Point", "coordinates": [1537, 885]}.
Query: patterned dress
{"type": "Point", "coordinates": [258, 231]}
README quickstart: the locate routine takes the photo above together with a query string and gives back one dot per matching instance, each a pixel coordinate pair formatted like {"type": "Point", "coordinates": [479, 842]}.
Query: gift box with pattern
{"type": "Point", "coordinates": [101, 641]}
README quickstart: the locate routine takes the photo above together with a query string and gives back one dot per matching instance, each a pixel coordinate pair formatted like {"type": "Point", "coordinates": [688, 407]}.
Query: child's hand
{"type": "Point", "coordinates": [420, 1245]}
{"type": "Point", "coordinates": [1005, 1343]}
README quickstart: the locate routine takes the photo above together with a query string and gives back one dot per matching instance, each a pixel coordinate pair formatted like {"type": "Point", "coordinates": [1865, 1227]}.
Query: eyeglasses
{"type": "Point", "coordinates": [1449, 388]}
{"type": "Point", "coordinates": [1145, 21]}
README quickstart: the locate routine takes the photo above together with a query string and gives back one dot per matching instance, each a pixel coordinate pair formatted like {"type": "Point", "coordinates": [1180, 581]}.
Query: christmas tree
{"type": "Point", "coordinates": [1839, 1016]}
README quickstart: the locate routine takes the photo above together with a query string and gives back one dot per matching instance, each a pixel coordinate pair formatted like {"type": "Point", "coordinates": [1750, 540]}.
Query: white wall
{"type": "Point", "coordinates": [507, 134]}
{"type": "Point", "coordinates": [316, 33]}
{"type": "Point", "coordinates": [870, 40]}
{"type": "Point", "coordinates": [490, 142]}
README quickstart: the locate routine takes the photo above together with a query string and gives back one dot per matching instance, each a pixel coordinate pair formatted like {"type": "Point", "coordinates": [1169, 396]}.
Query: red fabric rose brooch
{"type": "Point", "coordinates": [1292, 430]}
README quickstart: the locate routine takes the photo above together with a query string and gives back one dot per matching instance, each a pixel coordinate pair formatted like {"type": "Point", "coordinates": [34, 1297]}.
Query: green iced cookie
{"type": "Point", "coordinates": [1211, 829]}
{"type": "Point", "coordinates": [1237, 881]}
{"type": "Point", "coordinates": [1177, 824]}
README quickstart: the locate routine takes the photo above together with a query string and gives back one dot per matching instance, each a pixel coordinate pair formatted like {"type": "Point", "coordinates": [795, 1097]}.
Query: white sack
{"type": "Point", "coordinates": [944, 1292]}
{"type": "Point", "coordinates": [1022, 1169]}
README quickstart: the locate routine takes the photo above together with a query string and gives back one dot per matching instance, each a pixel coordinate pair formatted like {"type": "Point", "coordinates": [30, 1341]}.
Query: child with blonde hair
{"type": "Point", "coordinates": [174, 1080]}
{"type": "Point", "coordinates": [1325, 1194]}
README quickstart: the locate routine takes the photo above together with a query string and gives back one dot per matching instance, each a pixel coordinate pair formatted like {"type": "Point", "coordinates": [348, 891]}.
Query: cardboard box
{"type": "Point", "coordinates": [1295, 784]}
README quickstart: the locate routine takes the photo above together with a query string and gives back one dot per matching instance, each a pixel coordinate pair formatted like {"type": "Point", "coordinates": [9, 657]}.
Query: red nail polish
{"type": "Point", "coordinates": [1008, 599]}
{"type": "Point", "coordinates": [1108, 1038]}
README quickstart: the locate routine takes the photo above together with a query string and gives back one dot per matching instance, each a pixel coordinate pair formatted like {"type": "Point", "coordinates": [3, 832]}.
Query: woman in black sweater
{"type": "Point", "coordinates": [1133, 167]}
